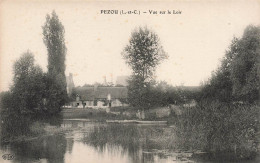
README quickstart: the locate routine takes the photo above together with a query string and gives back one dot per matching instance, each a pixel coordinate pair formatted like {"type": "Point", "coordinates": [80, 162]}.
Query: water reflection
{"type": "Point", "coordinates": [14, 125]}
{"type": "Point", "coordinates": [97, 143]}
{"type": "Point", "coordinates": [46, 149]}
{"type": "Point", "coordinates": [139, 143]}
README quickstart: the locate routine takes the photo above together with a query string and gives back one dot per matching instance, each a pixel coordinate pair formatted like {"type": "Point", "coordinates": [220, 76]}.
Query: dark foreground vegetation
{"type": "Point", "coordinates": [225, 122]}
{"type": "Point", "coordinates": [26, 126]}
{"type": "Point", "coordinates": [226, 131]}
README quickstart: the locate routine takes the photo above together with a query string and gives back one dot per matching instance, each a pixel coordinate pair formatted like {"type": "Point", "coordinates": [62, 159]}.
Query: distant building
{"type": "Point", "coordinates": [70, 84]}
{"type": "Point", "coordinates": [100, 96]}
{"type": "Point", "coordinates": [122, 80]}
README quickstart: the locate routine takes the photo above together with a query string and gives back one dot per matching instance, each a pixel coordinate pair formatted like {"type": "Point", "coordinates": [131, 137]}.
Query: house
{"type": "Point", "coordinates": [100, 96]}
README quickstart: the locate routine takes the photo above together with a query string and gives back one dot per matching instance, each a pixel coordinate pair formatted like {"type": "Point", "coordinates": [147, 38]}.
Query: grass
{"type": "Point", "coordinates": [92, 114]}
{"type": "Point", "coordinates": [122, 113]}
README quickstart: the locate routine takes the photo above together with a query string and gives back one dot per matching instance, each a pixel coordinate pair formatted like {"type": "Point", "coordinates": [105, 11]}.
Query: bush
{"type": "Point", "coordinates": [37, 128]}
{"type": "Point", "coordinates": [226, 130]}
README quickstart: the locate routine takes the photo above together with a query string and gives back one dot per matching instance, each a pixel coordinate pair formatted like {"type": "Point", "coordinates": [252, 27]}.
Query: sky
{"type": "Point", "coordinates": [194, 40]}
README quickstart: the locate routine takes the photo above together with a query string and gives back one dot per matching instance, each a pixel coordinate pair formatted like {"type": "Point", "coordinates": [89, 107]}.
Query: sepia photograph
{"type": "Point", "coordinates": [84, 81]}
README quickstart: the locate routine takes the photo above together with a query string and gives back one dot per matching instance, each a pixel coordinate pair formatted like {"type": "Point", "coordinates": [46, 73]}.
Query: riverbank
{"type": "Point", "coordinates": [207, 128]}
{"type": "Point", "coordinates": [37, 130]}
{"type": "Point", "coordinates": [27, 128]}
{"type": "Point", "coordinates": [120, 113]}
{"type": "Point", "coordinates": [138, 142]}
{"type": "Point", "coordinates": [223, 130]}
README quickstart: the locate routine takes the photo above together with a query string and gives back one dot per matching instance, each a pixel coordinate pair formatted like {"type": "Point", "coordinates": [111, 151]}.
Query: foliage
{"type": "Point", "coordinates": [237, 79]}
{"type": "Point", "coordinates": [37, 128]}
{"type": "Point", "coordinates": [33, 92]}
{"type": "Point", "coordinates": [143, 53]}
{"type": "Point", "coordinates": [139, 93]}
{"type": "Point", "coordinates": [55, 94]}
{"type": "Point", "coordinates": [219, 87]}
{"type": "Point", "coordinates": [12, 124]}
{"type": "Point", "coordinates": [28, 89]}
{"type": "Point", "coordinates": [228, 130]}
{"type": "Point", "coordinates": [53, 32]}
{"type": "Point", "coordinates": [244, 66]}
{"type": "Point", "coordinates": [159, 94]}
{"type": "Point", "coordinates": [6, 101]}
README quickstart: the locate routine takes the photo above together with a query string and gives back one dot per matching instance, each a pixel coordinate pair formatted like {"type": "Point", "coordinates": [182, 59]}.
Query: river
{"type": "Point", "coordinates": [93, 142]}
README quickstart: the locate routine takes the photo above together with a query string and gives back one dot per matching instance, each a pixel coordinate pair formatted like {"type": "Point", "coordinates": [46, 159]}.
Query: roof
{"type": "Point", "coordinates": [85, 93]}
{"type": "Point", "coordinates": [115, 92]}
{"type": "Point", "coordinates": [189, 88]}
{"type": "Point", "coordinates": [90, 93]}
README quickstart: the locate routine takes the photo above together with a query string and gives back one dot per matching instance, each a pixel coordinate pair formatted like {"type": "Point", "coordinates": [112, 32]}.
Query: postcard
{"type": "Point", "coordinates": [129, 81]}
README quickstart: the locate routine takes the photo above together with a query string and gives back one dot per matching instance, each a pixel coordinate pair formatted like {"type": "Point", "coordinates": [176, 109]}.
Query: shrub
{"type": "Point", "coordinates": [222, 129]}
{"type": "Point", "coordinates": [37, 128]}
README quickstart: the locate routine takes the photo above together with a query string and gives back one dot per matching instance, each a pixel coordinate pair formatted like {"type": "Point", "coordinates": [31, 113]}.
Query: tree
{"type": "Point", "coordinates": [237, 79]}
{"type": "Point", "coordinates": [6, 101]}
{"type": "Point", "coordinates": [28, 90]}
{"type": "Point", "coordinates": [245, 65]}
{"type": "Point", "coordinates": [143, 54]}
{"type": "Point", "coordinates": [258, 73]}
{"type": "Point", "coordinates": [53, 32]}
{"type": "Point", "coordinates": [137, 92]}
{"type": "Point", "coordinates": [220, 84]}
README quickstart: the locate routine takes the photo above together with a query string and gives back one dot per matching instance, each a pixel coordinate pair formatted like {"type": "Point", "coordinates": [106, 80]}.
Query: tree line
{"type": "Point", "coordinates": [238, 77]}
{"type": "Point", "coordinates": [34, 91]}
{"type": "Point", "coordinates": [236, 80]}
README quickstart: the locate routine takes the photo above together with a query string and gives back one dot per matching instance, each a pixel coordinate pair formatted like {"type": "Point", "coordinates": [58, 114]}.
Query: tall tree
{"type": "Point", "coordinates": [53, 32]}
{"type": "Point", "coordinates": [143, 54]}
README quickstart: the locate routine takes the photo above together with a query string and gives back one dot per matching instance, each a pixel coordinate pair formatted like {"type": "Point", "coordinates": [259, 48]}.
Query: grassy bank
{"type": "Point", "coordinates": [16, 128]}
{"type": "Point", "coordinates": [118, 113]}
{"type": "Point", "coordinates": [97, 114]}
